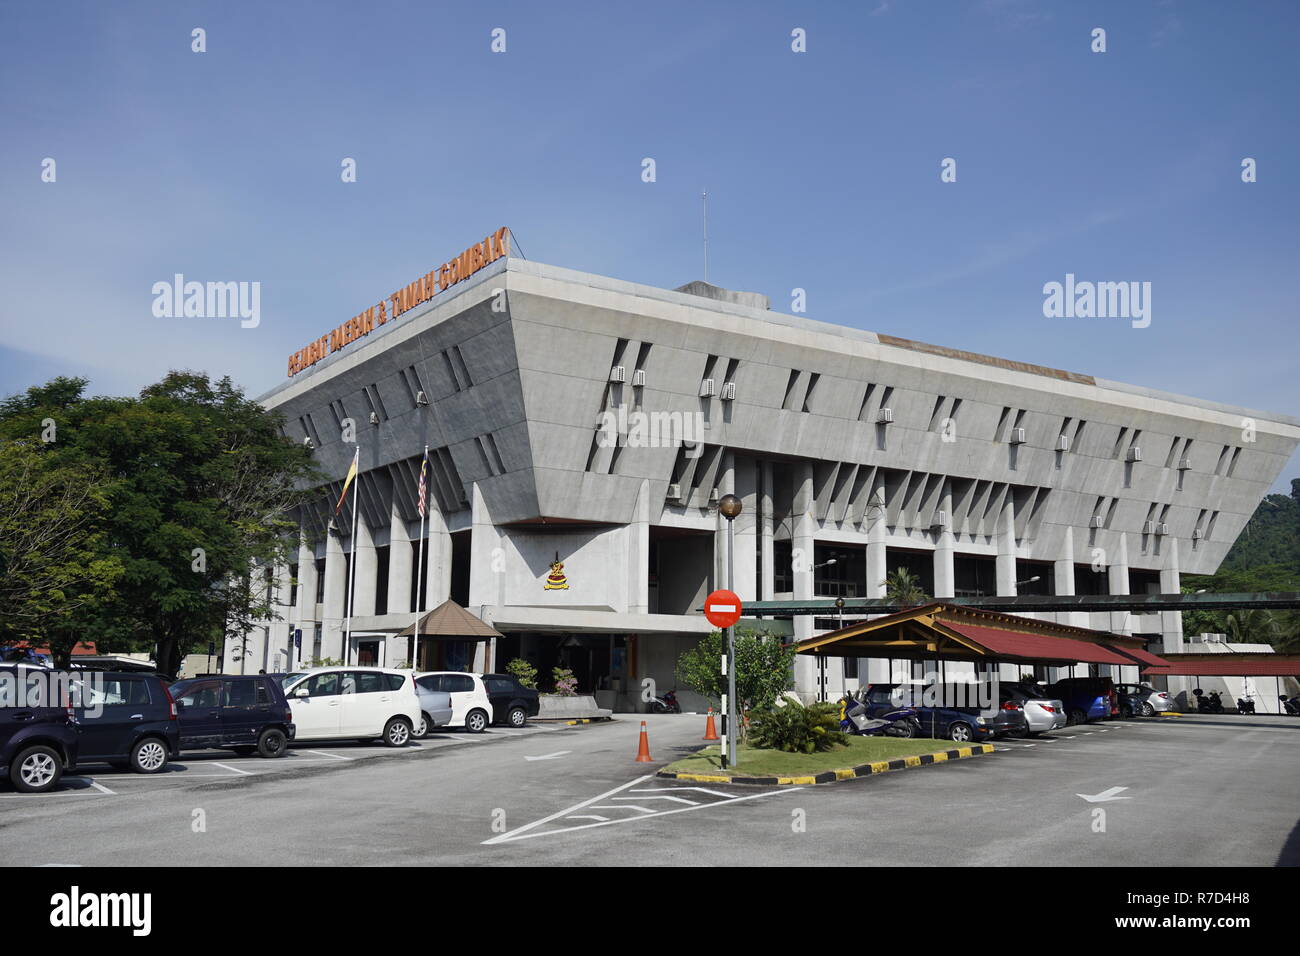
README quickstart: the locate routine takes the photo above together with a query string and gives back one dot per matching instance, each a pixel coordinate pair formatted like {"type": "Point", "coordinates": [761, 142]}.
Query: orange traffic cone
{"type": "Point", "coordinates": [643, 752]}
{"type": "Point", "coordinates": [710, 729]}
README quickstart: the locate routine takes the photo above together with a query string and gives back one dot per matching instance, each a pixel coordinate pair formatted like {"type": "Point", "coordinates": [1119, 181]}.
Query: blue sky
{"type": "Point", "coordinates": [822, 170]}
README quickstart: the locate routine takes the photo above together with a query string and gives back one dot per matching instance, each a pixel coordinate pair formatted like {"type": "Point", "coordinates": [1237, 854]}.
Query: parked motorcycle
{"type": "Point", "coordinates": [1246, 705]}
{"type": "Point", "coordinates": [855, 718]}
{"type": "Point", "coordinates": [1291, 705]}
{"type": "Point", "coordinates": [1210, 703]}
{"type": "Point", "coordinates": [666, 703]}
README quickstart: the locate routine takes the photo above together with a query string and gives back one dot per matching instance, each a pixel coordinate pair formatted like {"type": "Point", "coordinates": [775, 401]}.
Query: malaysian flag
{"type": "Point", "coordinates": [424, 484]}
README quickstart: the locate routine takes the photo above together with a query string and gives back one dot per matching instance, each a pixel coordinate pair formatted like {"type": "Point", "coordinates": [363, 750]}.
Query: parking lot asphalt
{"type": "Point", "coordinates": [1170, 791]}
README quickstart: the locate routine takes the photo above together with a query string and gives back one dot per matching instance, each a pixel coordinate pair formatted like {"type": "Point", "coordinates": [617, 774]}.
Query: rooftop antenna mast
{"type": "Point", "coordinates": [704, 197]}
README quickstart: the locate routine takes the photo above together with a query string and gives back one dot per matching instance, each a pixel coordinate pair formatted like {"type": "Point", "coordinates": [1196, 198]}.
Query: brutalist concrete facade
{"type": "Point", "coordinates": [578, 418]}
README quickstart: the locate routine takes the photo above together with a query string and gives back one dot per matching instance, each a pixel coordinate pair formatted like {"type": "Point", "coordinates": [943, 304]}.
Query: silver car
{"type": "Point", "coordinates": [1153, 701]}
{"type": "Point", "coordinates": [435, 710]}
{"type": "Point", "coordinates": [1041, 712]}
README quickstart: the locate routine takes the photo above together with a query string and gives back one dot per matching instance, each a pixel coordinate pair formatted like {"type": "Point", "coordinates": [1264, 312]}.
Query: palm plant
{"type": "Point", "coordinates": [903, 588]}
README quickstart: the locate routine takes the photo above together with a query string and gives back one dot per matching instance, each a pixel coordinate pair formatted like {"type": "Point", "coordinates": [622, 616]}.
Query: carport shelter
{"type": "Point", "coordinates": [949, 632]}
{"type": "Point", "coordinates": [448, 638]}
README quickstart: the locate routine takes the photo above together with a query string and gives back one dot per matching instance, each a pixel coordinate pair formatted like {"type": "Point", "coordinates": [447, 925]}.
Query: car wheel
{"type": "Point", "coordinates": [148, 755]}
{"type": "Point", "coordinates": [397, 732]}
{"type": "Point", "coordinates": [272, 743]}
{"type": "Point", "coordinates": [36, 770]}
{"type": "Point", "coordinates": [1076, 717]}
{"type": "Point", "coordinates": [476, 721]}
{"type": "Point", "coordinates": [244, 751]}
{"type": "Point", "coordinates": [426, 725]}
{"type": "Point", "coordinates": [1147, 709]}
{"type": "Point", "coordinates": [518, 717]}
{"type": "Point", "coordinates": [960, 732]}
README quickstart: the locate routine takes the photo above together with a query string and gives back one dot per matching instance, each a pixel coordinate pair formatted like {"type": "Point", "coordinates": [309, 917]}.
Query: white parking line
{"type": "Point", "coordinates": [692, 803]}
{"type": "Point", "coordinates": [226, 766]}
{"type": "Point", "coordinates": [321, 753]}
{"type": "Point", "coordinates": [522, 832]}
{"type": "Point", "coordinates": [101, 788]}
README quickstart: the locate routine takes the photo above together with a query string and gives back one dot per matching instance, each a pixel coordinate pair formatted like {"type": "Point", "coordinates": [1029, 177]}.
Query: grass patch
{"type": "Point", "coordinates": [777, 763]}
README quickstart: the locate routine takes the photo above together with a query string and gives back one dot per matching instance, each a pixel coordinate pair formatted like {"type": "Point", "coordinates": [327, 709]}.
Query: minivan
{"type": "Point", "coordinates": [38, 735]}
{"type": "Point", "coordinates": [244, 713]}
{"type": "Point", "coordinates": [127, 720]}
{"type": "Point", "coordinates": [1085, 698]}
{"type": "Point", "coordinates": [367, 703]}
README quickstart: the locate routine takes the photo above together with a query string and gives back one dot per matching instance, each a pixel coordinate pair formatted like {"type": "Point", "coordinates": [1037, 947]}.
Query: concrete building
{"type": "Point", "coordinates": [583, 421]}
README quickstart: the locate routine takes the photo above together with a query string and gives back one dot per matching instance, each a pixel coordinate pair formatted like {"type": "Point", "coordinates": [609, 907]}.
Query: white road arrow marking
{"type": "Point", "coordinates": [1105, 795]}
{"type": "Point", "coordinates": [589, 816]}
{"type": "Point", "coordinates": [621, 806]}
{"type": "Point", "coordinates": [558, 753]}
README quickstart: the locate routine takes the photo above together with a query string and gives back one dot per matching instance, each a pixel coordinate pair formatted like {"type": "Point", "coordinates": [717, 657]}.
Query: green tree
{"type": "Point", "coordinates": [201, 486]}
{"type": "Point", "coordinates": [764, 668]}
{"type": "Point", "coordinates": [54, 567]}
{"type": "Point", "coordinates": [523, 672]}
{"type": "Point", "coordinates": [902, 587]}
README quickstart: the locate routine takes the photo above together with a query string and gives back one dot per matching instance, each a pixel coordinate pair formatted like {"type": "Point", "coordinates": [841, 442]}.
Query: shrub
{"type": "Point", "coordinates": [795, 728]}
{"type": "Point", "coordinates": [523, 672]}
{"type": "Point", "coordinates": [566, 685]}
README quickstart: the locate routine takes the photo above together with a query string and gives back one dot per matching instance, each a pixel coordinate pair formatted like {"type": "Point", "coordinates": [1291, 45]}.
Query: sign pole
{"type": "Point", "coordinates": [730, 507]}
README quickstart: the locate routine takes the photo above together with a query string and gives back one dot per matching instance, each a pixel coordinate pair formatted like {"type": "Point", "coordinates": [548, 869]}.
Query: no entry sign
{"type": "Point", "coordinates": [722, 608]}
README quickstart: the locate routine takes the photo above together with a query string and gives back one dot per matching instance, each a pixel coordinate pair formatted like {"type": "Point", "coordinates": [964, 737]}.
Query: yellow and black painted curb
{"type": "Point", "coordinates": [830, 776]}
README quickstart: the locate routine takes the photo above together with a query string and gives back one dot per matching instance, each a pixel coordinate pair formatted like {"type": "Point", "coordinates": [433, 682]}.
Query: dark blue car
{"type": "Point", "coordinates": [962, 724]}
{"type": "Point", "coordinates": [38, 736]}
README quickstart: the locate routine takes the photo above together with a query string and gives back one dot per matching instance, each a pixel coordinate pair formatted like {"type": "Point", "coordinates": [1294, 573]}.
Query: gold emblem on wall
{"type": "Point", "coordinates": [556, 580]}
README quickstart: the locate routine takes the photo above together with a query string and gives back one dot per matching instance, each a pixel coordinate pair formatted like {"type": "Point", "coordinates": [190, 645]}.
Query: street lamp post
{"type": "Point", "coordinates": [730, 507]}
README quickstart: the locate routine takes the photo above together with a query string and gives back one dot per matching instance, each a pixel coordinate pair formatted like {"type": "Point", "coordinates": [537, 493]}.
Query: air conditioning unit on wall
{"type": "Point", "coordinates": [885, 416]}
{"type": "Point", "coordinates": [706, 388]}
{"type": "Point", "coordinates": [638, 378]}
{"type": "Point", "coordinates": [1017, 436]}
{"type": "Point", "coordinates": [1097, 521]}
{"type": "Point", "coordinates": [1184, 464]}
{"type": "Point", "coordinates": [618, 374]}
{"type": "Point", "coordinates": [1063, 443]}
{"type": "Point", "coordinates": [674, 492]}
{"type": "Point", "coordinates": [728, 391]}
{"type": "Point", "coordinates": [1135, 453]}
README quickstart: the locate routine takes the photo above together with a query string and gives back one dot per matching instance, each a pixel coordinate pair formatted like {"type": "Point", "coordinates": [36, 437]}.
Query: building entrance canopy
{"type": "Point", "coordinates": [960, 633]}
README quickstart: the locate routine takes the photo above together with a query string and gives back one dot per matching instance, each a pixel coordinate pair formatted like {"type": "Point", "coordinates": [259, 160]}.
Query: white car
{"type": "Point", "coordinates": [470, 706]}
{"type": "Point", "coordinates": [330, 703]}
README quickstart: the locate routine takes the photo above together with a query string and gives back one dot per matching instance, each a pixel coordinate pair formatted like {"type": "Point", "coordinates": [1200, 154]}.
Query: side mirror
{"type": "Point", "coordinates": [301, 693]}
{"type": "Point", "coordinates": [181, 705]}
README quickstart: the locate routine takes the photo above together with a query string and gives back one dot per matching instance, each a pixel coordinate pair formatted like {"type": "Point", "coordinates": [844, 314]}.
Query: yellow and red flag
{"type": "Point", "coordinates": [347, 483]}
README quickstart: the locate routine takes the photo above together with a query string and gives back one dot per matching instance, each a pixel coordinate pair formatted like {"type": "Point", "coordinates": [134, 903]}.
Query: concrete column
{"type": "Point", "coordinates": [437, 583]}
{"type": "Point", "coordinates": [745, 486]}
{"type": "Point", "coordinates": [486, 585]}
{"type": "Point", "coordinates": [1171, 622]}
{"type": "Point", "coordinates": [305, 616]}
{"type": "Point", "coordinates": [768, 531]}
{"type": "Point", "coordinates": [638, 554]}
{"type": "Point", "coordinates": [726, 485]}
{"type": "Point", "coordinates": [1121, 622]}
{"type": "Point", "coordinates": [401, 564]}
{"type": "Point", "coordinates": [1063, 576]}
{"type": "Point", "coordinates": [802, 540]}
{"type": "Point", "coordinates": [944, 573]}
{"type": "Point", "coordinates": [281, 640]}
{"type": "Point", "coordinates": [367, 577]}
{"type": "Point", "coordinates": [877, 557]}
{"type": "Point", "coordinates": [335, 603]}
{"type": "Point", "coordinates": [1006, 559]}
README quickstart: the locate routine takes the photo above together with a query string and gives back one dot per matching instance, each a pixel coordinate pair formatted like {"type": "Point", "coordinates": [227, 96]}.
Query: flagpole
{"type": "Point", "coordinates": [352, 562]}
{"type": "Point", "coordinates": [419, 569]}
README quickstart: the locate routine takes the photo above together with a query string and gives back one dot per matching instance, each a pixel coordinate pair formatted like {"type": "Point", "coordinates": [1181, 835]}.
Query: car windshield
{"type": "Point", "coordinates": [180, 687]}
